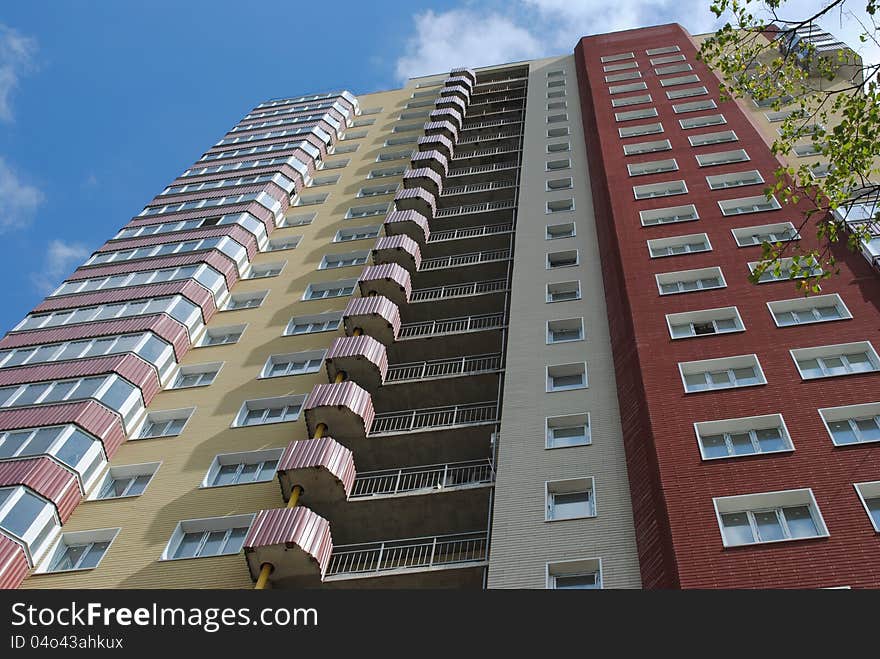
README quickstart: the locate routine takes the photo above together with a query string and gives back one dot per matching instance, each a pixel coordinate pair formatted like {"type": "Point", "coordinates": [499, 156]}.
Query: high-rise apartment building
{"type": "Point", "coordinates": [492, 329]}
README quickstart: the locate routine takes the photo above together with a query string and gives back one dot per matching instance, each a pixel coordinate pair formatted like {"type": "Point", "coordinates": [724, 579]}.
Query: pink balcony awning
{"type": "Point", "coordinates": [47, 478]}
{"type": "Point", "coordinates": [13, 563]}
{"type": "Point", "coordinates": [424, 177]}
{"type": "Point", "coordinates": [323, 468]}
{"type": "Point", "coordinates": [375, 316]}
{"type": "Point", "coordinates": [417, 199]}
{"type": "Point", "coordinates": [467, 73]}
{"type": "Point", "coordinates": [432, 159]}
{"type": "Point", "coordinates": [453, 115]}
{"type": "Point", "coordinates": [362, 358]}
{"type": "Point", "coordinates": [389, 280]}
{"type": "Point", "coordinates": [409, 223]}
{"type": "Point", "coordinates": [402, 250]}
{"type": "Point", "coordinates": [446, 128]}
{"type": "Point", "coordinates": [296, 542]}
{"type": "Point", "coordinates": [345, 408]}
{"type": "Point", "coordinates": [451, 102]}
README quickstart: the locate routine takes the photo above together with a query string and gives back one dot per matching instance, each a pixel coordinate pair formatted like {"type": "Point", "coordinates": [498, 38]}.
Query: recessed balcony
{"type": "Point", "coordinates": [474, 192]}
{"type": "Point", "coordinates": [467, 215]}
{"type": "Point", "coordinates": [478, 297]}
{"type": "Point", "coordinates": [452, 326]}
{"type": "Point", "coordinates": [454, 241]}
{"type": "Point", "coordinates": [475, 157]}
{"type": "Point", "coordinates": [476, 266]}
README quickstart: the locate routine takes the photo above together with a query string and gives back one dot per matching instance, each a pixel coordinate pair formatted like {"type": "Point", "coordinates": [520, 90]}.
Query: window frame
{"type": "Point", "coordinates": [585, 481]}
{"type": "Point", "coordinates": [787, 499]}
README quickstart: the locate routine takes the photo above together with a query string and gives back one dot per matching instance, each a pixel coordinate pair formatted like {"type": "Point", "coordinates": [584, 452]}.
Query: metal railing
{"type": "Point", "coordinates": [434, 418]}
{"type": "Point", "coordinates": [478, 187]}
{"type": "Point", "coordinates": [479, 169]}
{"type": "Point", "coordinates": [497, 90]}
{"type": "Point", "coordinates": [458, 290]}
{"type": "Point", "coordinates": [500, 99]}
{"type": "Point", "coordinates": [410, 554]}
{"type": "Point", "coordinates": [434, 478]}
{"type": "Point", "coordinates": [476, 208]}
{"type": "Point", "coordinates": [471, 258]}
{"type": "Point", "coordinates": [440, 368]}
{"type": "Point", "coordinates": [472, 232]}
{"type": "Point", "coordinates": [499, 81]}
{"type": "Point", "coordinates": [510, 134]}
{"type": "Point", "coordinates": [460, 325]}
{"type": "Point", "coordinates": [489, 124]}
{"type": "Point", "coordinates": [485, 152]}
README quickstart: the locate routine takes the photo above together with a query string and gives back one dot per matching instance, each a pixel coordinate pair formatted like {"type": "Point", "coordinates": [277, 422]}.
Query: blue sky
{"type": "Point", "coordinates": [103, 103]}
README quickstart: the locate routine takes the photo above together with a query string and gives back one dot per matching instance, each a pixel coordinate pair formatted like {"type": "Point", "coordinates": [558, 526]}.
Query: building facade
{"type": "Point", "coordinates": [493, 329]}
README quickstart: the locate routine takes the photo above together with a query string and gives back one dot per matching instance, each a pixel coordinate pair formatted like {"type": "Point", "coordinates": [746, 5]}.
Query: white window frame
{"type": "Point", "coordinates": [750, 426]}
{"type": "Point", "coordinates": [839, 350]}
{"type": "Point", "coordinates": [311, 320]}
{"type": "Point", "coordinates": [205, 525]}
{"type": "Point", "coordinates": [164, 417]}
{"type": "Point", "coordinates": [578, 321]}
{"type": "Point", "coordinates": [719, 364]}
{"type": "Point", "coordinates": [341, 284]}
{"type": "Point", "coordinates": [693, 275]}
{"type": "Point", "coordinates": [704, 317]}
{"type": "Point", "coordinates": [755, 205]}
{"type": "Point", "coordinates": [626, 132]}
{"type": "Point", "coordinates": [574, 568]}
{"type": "Point", "coordinates": [767, 501]}
{"type": "Point", "coordinates": [195, 369]}
{"type": "Point", "coordinates": [566, 484]}
{"type": "Point", "coordinates": [560, 421]}
{"type": "Point", "coordinates": [728, 180]}
{"type": "Point", "coordinates": [677, 241]}
{"type": "Point", "coordinates": [276, 402]}
{"type": "Point", "coordinates": [549, 236]}
{"type": "Point", "coordinates": [661, 189]}
{"type": "Point", "coordinates": [869, 490]}
{"type": "Point", "coordinates": [75, 539]}
{"type": "Point", "coordinates": [549, 210]}
{"type": "Point", "coordinates": [235, 298]}
{"type": "Point", "coordinates": [652, 167]}
{"type": "Point", "coordinates": [226, 330]}
{"type": "Point", "coordinates": [808, 304]}
{"type": "Point", "coordinates": [241, 459]}
{"type": "Point", "coordinates": [124, 472]}
{"type": "Point", "coordinates": [704, 159]}
{"type": "Point", "coordinates": [305, 356]}
{"type": "Point", "coordinates": [548, 263]}
{"type": "Point", "coordinates": [550, 388]}
{"type": "Point", "coordinates": [578, 292]}
{"type": "Point", "coordinates": [668, 209]}
{"type": "Point", "coordinates": [850, 413]}
{"type": "Point", "coordinates": [641, 148]}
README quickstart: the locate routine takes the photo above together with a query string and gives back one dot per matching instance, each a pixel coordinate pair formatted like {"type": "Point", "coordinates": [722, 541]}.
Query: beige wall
{"type": "Point", "coordinates": [522, 542]}
{"type": "Point", "coordinates": [147, 521]}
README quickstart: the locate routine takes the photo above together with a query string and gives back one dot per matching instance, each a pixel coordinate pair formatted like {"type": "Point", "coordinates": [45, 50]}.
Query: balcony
{"type": "Point", "coordinates": [435, 418]}
{"type": "Point", "coordinates": [477, 266]}
{"type": "Point", "coordinates": [491, 123]}
{"type": "Point", "coordinates": [450, 326]}
{"type": "Point", "coordinates": [482, 170]}
{"type": "Point", "coordinates": [459, 260]}
{"type": "Point", "coordinates": [489, 212]}
{"type": "Point", "coordinates": [498, 190]}
{"type": "Point", "coordinates": [482, 296]}
{"type": "Point", "coordinates": [491, 137]}
{"type": "Point", "coordinates": [431, 479]}
{"type": "Point", "coordinates": [443, 561]}
{"type": "Point", "coordinates": [510, 97]}
{"type": "Point", "coordinates": [453, 241]}
{"type": "Point", "coordinates": [471, 158]}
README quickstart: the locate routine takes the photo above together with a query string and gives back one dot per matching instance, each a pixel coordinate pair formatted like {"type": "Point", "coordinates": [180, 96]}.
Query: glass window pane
{"type": "Point", "coordinates": [714, 446]}
{"type": "Point", "coordinates": [214, 543]}
{"type": "Point", "coordinates": [576, 581]}
{"type": "Point", "coordinates": [18, 520]}
{"type": "Point", "coordinates": [800, 522]}
{"type": "Point", "coordinates": [188, 546]}
{"type": "Point", "coordinates": [770, 439]}
{"type": "Point", "coordinates": [869, 429]}
{"type": "Point", "coordinates": [737, 530]}
{"type": "Point", "coordinates": [236, 539]}
{"type": "Point", "coordinates": [768, 525]}
{"type": "Point", "coordinates": [226, 475]}
{"type": "Point", "coordinates": [746, 375]}
{"type": "Point", "coordinates": [93, 555]}
{"type": "Point", "coordinates": [842, 432]}
{"type": "Point", "coordinates": [67, 557]}
{"type": "Point", "coordinates": [742, 443]}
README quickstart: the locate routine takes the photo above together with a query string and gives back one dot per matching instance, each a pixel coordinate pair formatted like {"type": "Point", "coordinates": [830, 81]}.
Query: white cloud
{"type": "Point", "coordinates": [463, 37]}
{"type": "Point", "coordinates": [17, 53]}
{"type": "Point", "coordinates": [18, 200]}
{"type": "Point", "coordinates": [60, 260]}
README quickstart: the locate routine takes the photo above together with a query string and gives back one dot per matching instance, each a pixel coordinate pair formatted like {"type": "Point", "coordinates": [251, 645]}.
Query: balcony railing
{"type": "Point", "coordinates": [497, 90]}
{"type": "Point", "coordinates": [472, 258]}
{"type": "Point", "coordinates": [485, 152]}
{"type": "Point", "coordinates": [411, 554]}
{"type": "Point", "coordinates": [449, 291]}
{"type": "Point", "coordinates": [499, 81]}
{"type": "Point", "coordinates": [477, 187]}
{"type": "Point", "coordinates": [435, 418]}
{"type": "Point", "coordinates": [476, 208]}
{"type": "Point", "coordinates": [429, 478]}
{"type": "Point", "coordinates": [444, 368]}
{"type": "Point", "coordinates": [472, 232]}
{"type": "Point", "coordinates": [460, 325]}
{"type": "Point", "coordinates": [508, 134]}
{"type": "Point", "coordinates": [500, 99]}
{"type": "Point", "coordinates": [480, 169]}
{"type": "Point", "coordinates": [489, 124]}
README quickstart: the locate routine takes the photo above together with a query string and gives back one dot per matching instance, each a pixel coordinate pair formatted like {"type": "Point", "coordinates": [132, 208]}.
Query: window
{"type": "Point", "coordinates": [404, 128]}
{"type": "Point", "coordinates": [662, 50]}
{"type": "Point", "coordinates": [852, 424]}
{"type": "Point", "coordinates": [722, 157]}
{"type": "Point", "coordinates": [563, 331]}
{"type": "Point", "coordinates": [262, 411]}
{"type": "Point", "coordinates": [368, 111]}
{"type": "Point", "coordinates": [296, 363]}
{"type": "Point", "coordinates": [266, 270]}
{"type": "Point", "coordinates": [557, 105]}
{"type": "Point", "coordinates": [559, 184]}
{"type": "Point", "coordinates": [705, 139]}
{"type": "Point", "coordinates": [694, 106]}
{"type": "Point", "coordinates": [215, 336]}
{"type": "Point", "coordinates": [769, 517]}
{"type": "Point", "coordinates": [869, 494]}
{"type": "Point", "coordinates": [245, 300]}
{"type": "Point", "coordinates": [675, 245]}
{"type": "Point", "coordinates": [666, 60]}
{"type": "Point", "coordinates": [679, 80]}
{"type": "Point", "coordinates": [618, 57]}
{"type": "Point", "coordinates": [28, 517]}
{"type": "Point", "coordinates": [642, 129]}
{"type": "Point", "coordinates": [743, 205]}
{"type": "Point", "coordinates": [652, 167]}
{"type": "Point", "coordinates": [387, 171]}
{"type": "Point", "coordinates": [673, 94]}
{"type": "Point", "coordinates": [80, 550]}
{"type": "Point", "coordinates": [278, 244]}
{"type": "Point", "coordinates": [325, 322]}
{"type": "Point", "coordinates": [721, 373]}
{"type": "Point", "coordinates": [840, 359]}
{"type": "Point", "coordinates": [620, 67]}
{"type": "Point", "coordinates": [393, 155]}
{"type": "Point", "coordinates": [631, 87]}
{"type": "Point", "coordinates": [752, 435]}
{"type": "Point", "coordinates": [377, 190]}
{"type": "Point", "coordinates": [665, 189]}
{"type": "Point", "coordinates": [564, 377]}
{"type": "Point", "coordinates": [575, 575]}
{"type": "Point", "coordinates": [786, 272]}
{"type": "Point", "coordinates": [565, 230]}
{"type": "Point", "coordinates": [806, 310]}
{"type": "Point", "coordinates": [366, 211]}
{"type": "Point", "coordinates": [312, 199]}
{"type": "Point", "coordinates": [394, 141]}
{"type": "Point", "coordinates": [559, 93]}
{"type": "Point", "coordinates": [556, 83]}
{"type": "Point", "coordinates": [336, 164]}
{"type": "Point", "coordinates": [214, 536]}
{"type": "Point", "coordinates": [325, 180]}
{"type": "Point", "coordinates": [242, 468]}
{"type": "Point", "coordinates": [330, 289]}
{"type": "Point", "coordinates": [558, 132]}
{"type": "Point", "coordinates": [168, 423]}
{"type": "Point", "coordinates": [126, 481]}
{"type": "Point", "coordinates": [805, 150]}
{"type": "Point", "coordinates": [629, 115]}
{"type": "Point", "coordinates": [734, 179]}
{"type": "Point", "coordinates": [572, 498]}
{"type": "Point", "coordinates": [646, 147]}
{"type": "Point", "coordinates": [562, 259]}
{"type": "Point", "coordinates": [624, 101]}
{"type": "Point", "coordinates": [560, 205]}
{"type": "Point", "coordinates": [357, 233]}
{"type": "Point", "coordinates": [196, 375]}
{"type": "Point", "coordinates": [568, 430]}
{"type": "Point", "coordinates": [668, 215]}
{"type": "Point", "coordinates": [558, 147]}
{"type": "Point", "coordinates": [355, 135]}
{"type": "Point", "coordinates": [554, 165]}
{"type": "Point", "coordinates": [701, 122]}
{"type": "Point", "coordinates": [620, 77]}
{"type": "Point", "coordinates": [346, 148]}
{"type": "Point", "coordinates": [331, 261]}
{"type": "Point", "coordinates": [564, 291]}
{"type": "Point", "coordinates": [297, 220]}
{"type": "Point", "coordinates": [704, 323]}
{"type": "Point", "coordinates": [675, 68]}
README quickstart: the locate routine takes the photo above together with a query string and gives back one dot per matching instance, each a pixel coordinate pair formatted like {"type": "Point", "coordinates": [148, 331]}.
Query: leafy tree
{"type": "Point", "coordinates": [831, 100]}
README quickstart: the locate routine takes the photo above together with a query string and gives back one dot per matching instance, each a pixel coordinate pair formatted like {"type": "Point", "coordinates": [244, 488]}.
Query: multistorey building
{"type": "Point", "coordinates": [454, 335]}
